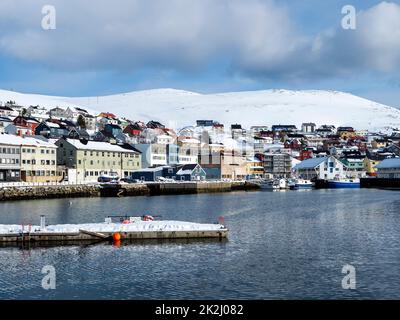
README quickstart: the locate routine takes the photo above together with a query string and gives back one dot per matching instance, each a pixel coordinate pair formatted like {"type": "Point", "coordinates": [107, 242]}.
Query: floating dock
{"type": "Point", "coordinates": [137, 230]}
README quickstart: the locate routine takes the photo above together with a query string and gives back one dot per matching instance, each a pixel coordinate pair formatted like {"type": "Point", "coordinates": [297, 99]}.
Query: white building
{"type": "Point", "coordinates": [152, 154]}
{"type": "Point", "coordinates": [325, 168]}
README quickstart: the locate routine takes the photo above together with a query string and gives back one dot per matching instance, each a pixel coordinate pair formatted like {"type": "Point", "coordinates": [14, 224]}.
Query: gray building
{"type": "Point", "coordinates": [10, 158]}
{"type": "Point", "coordinates": [278, 164]}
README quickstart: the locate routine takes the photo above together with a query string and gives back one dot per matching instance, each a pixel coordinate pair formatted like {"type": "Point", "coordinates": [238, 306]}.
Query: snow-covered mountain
{"type": "Point", "coordinates": [178, 108]}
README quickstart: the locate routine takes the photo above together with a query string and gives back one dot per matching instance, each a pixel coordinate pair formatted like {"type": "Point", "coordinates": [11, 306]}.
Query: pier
{"type": "Point", "coordinates": [31, 192]}
{"type": "Point", "coordinates": [139, 230]}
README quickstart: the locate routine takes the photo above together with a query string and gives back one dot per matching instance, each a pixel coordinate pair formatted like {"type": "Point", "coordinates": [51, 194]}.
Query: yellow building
{"type": "Point", "coordinates": [39, 161]}
{"type": "Point", "coordinates": [254, 167]}
{"type": "Point", "coordinates": [93, 159]}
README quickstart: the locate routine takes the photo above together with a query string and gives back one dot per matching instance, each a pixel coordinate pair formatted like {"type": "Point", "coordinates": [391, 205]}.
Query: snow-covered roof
{"type": "Point", "coordinates": [13, 140]}
{"type": "Point", "coordinates": [187, 169]}
{"type": "Point", "coordinates": [10, 139]}
{"type": "Point", "coordinates": [389, 163]}
{"type": "Point", "coordinates": [38, 142]}
{"type": "Point", "coordinates": [310, 163]}
{"type": "Point", "coordinates": [98, 146]}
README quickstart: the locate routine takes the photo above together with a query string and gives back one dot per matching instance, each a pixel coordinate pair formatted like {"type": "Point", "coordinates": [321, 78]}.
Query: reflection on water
{"type": "Point", "coordinates": [281, 245]}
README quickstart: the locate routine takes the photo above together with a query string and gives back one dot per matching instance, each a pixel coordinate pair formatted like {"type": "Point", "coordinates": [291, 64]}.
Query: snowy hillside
{"type": "Point", "coordinates": [178, 108]}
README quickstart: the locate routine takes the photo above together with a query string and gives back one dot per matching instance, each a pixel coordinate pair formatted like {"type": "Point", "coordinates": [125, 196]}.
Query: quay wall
{"type": "Point", "coordinates": [124, 190]}
{"type": "Point", "coordinates": [380, 183]}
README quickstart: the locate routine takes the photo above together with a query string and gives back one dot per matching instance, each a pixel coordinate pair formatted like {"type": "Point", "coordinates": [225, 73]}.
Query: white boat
{"type": "Point", "coordinates": [112, 177]}
{"type": "Point", "coordinates": [301, 184]}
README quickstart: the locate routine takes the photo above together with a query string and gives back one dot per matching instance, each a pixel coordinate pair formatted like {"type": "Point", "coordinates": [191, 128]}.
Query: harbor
{"type": "Point", "coordinates": [277, 242]}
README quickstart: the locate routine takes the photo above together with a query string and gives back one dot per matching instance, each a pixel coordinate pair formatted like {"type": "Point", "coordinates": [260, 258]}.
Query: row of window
{"type": "Point", "coordinates": [42, 151]}
{"type": "Point", "coordinates": [41, 173]}
{"type": "Point", "coordinates": [109, 163]}
{"type": "Point", "coordinates": [42, 162]}
{"type": "Point", "coordinates": [9, 161]}
{"type": "Point", "coordinates": [98, 173]}
{"type": "Point", "coordinates": [109, 154]}
{"type": "Point", "coordinates": [9, 150]}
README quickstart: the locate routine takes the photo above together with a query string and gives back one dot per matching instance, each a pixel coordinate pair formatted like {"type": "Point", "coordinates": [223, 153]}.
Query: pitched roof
{"type": "Point", "coordinates": [310, 163]}
{"type": "Point", "coordinates": [97, 146]}
{"type": "Point", "coordinates": [389, 163]}
{"type": "Point", "coordinates": [187, 168]}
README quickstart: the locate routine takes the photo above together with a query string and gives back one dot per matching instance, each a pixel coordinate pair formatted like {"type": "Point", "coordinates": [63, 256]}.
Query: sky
{"type": "Point", "coordinates": [101, 47]}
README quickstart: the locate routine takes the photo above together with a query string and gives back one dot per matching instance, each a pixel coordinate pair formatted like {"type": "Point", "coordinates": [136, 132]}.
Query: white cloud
{"type": "Point", "coordinates": [255, 37]}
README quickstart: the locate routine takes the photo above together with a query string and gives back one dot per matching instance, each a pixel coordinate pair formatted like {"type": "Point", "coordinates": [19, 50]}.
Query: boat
{"type": "Point", "coordinates": [301, 184]}
{"type": "Point", "coordinates": [344, 183]}
{"type": "Point", "coordinates": [268, 184]}
{"type": "Point", "coordinates": [109, 178]}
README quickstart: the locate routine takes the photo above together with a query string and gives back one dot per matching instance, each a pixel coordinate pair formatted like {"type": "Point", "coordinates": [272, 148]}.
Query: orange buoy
{"type": "Point", "coordinates": [116, 236]}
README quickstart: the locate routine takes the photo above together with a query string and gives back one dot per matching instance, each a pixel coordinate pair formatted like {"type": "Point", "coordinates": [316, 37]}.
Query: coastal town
{"type": "Point", "coordinates": [77, 146]}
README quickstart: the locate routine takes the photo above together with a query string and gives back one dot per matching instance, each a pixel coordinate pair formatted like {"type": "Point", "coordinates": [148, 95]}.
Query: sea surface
{"type": "Point", "coordinates": [282, 245]}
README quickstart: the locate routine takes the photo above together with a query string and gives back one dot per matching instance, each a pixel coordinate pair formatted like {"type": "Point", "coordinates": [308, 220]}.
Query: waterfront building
{"type": "Point", "coordinates": [10, 157]}
{"type": "Point", "coordinates": [233, 166]}
{"type": "Point", "coordinates": [354, 161]}
{"type": "Point", "coordinates": [39, 161]}
{"type": "Point", "coordinates": [191, 172]}
{"type": "Point", "coordinates": [148, 174]}
{"type": "Point", "coordinates": [278, 164]}
{"type": "Point", "coordinates": [91, 159]}
{"type": "Point", "coordinates": [254, 167]}
{"type": "Point", "coordinates": [325, 168]}
{"type": "Point", "coordinates": [188, 151]}
{"type": "Point", "coordinates": [389, 169]}
{"type": "Point", "coordinates": [152, 154]}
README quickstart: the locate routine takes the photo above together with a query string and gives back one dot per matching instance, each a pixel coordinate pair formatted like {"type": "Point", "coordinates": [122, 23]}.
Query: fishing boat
{"type": "Point", "coordinates": [344, 183]}
{"type": "Point", "coordinates": [301, 184]}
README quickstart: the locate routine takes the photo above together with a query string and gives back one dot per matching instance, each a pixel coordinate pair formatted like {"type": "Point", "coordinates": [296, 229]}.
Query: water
{"type": "Point", "coordinates": [281, 245]}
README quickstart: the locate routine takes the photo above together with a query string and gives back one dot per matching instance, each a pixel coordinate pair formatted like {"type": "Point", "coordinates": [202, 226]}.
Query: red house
{"type": "Point", "coordinates": [26, 122]}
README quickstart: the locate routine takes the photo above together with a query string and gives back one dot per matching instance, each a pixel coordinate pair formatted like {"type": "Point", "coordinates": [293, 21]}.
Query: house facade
{"type": "Point", "coordinates": [91, 159]}
{"type": "Point", "coordinates": [39, 161]}
{"type": "Point", "coordinates": [278, 164]}
{"type": "Point", "coordinates": [325, 168]}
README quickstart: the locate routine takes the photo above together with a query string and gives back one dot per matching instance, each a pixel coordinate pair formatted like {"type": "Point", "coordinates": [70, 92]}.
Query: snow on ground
{"type": "Point", "coordinates": [139, 226]}
{"type": "Point", "coordinates": [178, 108]}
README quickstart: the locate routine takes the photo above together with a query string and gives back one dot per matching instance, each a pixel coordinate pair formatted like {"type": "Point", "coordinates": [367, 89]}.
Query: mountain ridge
{"type": "Point", "coordinates": [178, 108]}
